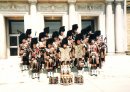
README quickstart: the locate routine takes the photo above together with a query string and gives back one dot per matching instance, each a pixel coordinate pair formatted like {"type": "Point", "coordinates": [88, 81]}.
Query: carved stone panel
{"type": "Point", "coordinates": [52, 7]}
{"type": "Point", "coordinates": [14, 7]}
{"type": "Point", "coordinates": [83, 7]}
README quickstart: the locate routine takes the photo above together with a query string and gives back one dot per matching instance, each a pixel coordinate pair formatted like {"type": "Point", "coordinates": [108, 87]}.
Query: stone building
{"type": "Point", "coordinates": [109, 16]}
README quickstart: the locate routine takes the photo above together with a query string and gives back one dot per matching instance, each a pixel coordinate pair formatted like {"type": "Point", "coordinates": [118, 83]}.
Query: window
{"type": "Point", "coordinates": [15, 28]}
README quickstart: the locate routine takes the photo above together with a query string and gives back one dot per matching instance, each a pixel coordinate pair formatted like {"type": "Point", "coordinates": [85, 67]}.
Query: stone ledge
{"type": "Point", "coordinates": [116, 54]}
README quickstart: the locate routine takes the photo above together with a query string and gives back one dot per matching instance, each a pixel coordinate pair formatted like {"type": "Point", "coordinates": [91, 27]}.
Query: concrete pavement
{"type": "Point", "coordinates": [113, 77]}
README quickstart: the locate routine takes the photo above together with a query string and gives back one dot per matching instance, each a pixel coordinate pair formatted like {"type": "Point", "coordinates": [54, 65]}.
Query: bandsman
{"type": "Point", "coordinates": [61, 32]}
{"type": "Point", "coordinates": [94, 56]}
{"type": "Point", "coordinates": [65, 51]}
{"type": "Point", "coordinates": [28, 35]}
{"type": "Point", "coordinates": [35, 64]}
{"type": "Point", "coordinates": [50, 57]}
{"type": "Point", "coordinates": [23, 51]}
{"type": "Point", "coordinates": [74, 30]}
{"type": "Point", "coordinates": [46, 31]}
{"type": "Point", "coordinates": [79, 53]}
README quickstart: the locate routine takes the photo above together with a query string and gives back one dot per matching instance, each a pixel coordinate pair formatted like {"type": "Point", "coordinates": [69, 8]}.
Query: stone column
{"type": "Point", "coordinates": [65, 22]}
{"type": "Point", "coordinates": [101, 24]}
{"type": "Point", "coordinates": [125, 24]}
{"type": "Point", "coordinates": [3, 45]}
{"type": "Point", "coordinates": [72, 14]}
{"type": "Point", "coordinates": [33, 15]}
{"type": "Point", "coordinates": [27, 22]}
{"type": "Point", "coordinates": [119, 27]}
{"type": "Point", "coordinates": [110, 28]}
{"type": "Point", "coordinates": [40, 22]}
{"type": "Point", "coordinates": [33, 8]}
{"type": "Point", "coordinates": [79, 23]}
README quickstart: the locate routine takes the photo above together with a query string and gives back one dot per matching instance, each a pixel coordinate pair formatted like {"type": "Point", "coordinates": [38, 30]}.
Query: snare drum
{"type": "Point", "coordinates": [53, 80]}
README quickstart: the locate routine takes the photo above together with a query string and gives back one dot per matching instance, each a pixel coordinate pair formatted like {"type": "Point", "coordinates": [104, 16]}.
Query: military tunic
{"type": "Point", "coordinates": [65, 54]}
{"type": "Point", "coordinates": [78, 49]}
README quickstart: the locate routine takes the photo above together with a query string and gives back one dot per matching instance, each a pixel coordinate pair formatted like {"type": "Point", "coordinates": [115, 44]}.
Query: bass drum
{"type": "Point", "coordinates": [66, 80]}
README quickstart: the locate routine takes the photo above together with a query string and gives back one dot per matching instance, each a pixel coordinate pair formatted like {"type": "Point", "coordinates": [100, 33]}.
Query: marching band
{"type": "Point", "coordinates": [80, 50]}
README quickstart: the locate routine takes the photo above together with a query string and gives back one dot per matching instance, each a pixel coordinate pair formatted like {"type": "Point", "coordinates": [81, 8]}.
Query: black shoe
{"type": "Point", "coordinates": [95, 74]}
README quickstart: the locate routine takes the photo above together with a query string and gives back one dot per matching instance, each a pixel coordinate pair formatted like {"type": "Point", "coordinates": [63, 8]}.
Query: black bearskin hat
{"type": "Point", "coordinates": [21, 37]}
{"type": "Point", "coordinates": [89, 28]}
{"type": "Point", "coordinates": [28, 32]}
{"type": "Point", "coordinates": [78, 37]}
{"type": "Point", "coordinates": [69, 33]}
{"type": "Point", "coordinates": [97, 33]}
{"type": "Point", "coordinates": [41, 35]}
{"type": "Point", "coordinates": [74, 27]}
{"type": "Point", "coordinates": [62, 29]}
{"type": "Point", "coordinates": [34, 41]}
{"type": "Point", "coordinates": [92, 37]}
{"type": "Point", "coordinates": [46, 29]}
{"type": "Point", "coordinates": [49, 41]}
{"type": "Point", "coordinates": [55, 34]}
{"type": "Point", "coordinates": [64, 41]}
{"type": "Point", "coordinates": [83, 31]}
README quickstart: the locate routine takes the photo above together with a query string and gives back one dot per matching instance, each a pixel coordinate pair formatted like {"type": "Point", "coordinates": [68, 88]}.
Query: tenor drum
{"type": "Point", "coordinates": [53, 80]}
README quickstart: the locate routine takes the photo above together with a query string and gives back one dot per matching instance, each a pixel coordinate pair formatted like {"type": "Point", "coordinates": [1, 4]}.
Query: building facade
{"type": "Point", "coordinates": [16, 16]}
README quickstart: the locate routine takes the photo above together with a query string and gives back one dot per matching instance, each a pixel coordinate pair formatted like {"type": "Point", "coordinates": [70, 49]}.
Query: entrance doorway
{"type": "Point", "coordinates": [89, 21]}
{"type": "Point", "coordinates": [53, 22]}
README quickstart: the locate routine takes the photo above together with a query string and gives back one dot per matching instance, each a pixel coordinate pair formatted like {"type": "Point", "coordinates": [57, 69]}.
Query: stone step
{"type": "Point", "coordinates": [128, 52]}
